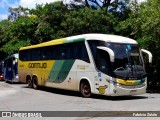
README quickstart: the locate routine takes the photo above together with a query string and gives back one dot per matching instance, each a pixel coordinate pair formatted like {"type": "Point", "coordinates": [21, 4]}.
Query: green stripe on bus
{"type": "Point", "coordinates": [60, 70]}
{"type": "Point", "coordinates": [74, 40]}
{"type": "Point", "coordinates": [55, 70]}
{"type": "Point", "coordinates": [63, 73]}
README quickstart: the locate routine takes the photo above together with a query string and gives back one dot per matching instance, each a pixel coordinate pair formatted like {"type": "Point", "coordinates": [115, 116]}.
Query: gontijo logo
{"type": "Point", "coordinates": [37, 65]}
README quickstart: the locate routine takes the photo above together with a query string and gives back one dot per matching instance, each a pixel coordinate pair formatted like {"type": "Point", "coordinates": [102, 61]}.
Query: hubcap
{"type": "Point", "coordinates": [86, 89]}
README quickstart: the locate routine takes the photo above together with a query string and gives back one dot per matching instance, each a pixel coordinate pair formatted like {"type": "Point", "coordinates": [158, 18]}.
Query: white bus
{"type": "Point", "coordinates": [90, 63]}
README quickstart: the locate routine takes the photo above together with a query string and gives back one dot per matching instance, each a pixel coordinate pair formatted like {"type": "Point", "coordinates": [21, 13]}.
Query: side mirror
{"type": "Point", "coordinates": [149, 54]}
{"type": "Point", "coordinates": [110, 52]}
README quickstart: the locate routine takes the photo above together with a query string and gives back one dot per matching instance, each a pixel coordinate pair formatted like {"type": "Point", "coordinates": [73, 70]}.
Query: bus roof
{"type": "Point", "coordinates": [83, 37]}
{"type": "Point", "coordinates": [110, 38]}
{"type": "Point", "coordinates": [12, 56]}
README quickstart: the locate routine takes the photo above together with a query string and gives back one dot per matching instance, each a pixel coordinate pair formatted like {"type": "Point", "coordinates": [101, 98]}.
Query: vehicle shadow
{"type": "Point", "coordinates": [57, 91]}
{"type": "Point", "coordinates": [94, 96]}
{"type": "Point", "coordinates": [14, 83]}
{"type": "Point", "coordinates": [119, 98]}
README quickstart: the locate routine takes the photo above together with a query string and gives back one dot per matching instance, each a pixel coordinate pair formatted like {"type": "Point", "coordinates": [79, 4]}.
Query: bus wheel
{"type": "Point", "coordinates": [29, 82]}
{"type": "Point", "coordinates": [85, 89]}
{"type": "Point", "coordinates": [35, 82]}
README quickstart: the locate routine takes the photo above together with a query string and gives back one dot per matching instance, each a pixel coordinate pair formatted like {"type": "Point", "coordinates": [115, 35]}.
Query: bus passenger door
{"type": "Point", "coordinates": [103, 71]}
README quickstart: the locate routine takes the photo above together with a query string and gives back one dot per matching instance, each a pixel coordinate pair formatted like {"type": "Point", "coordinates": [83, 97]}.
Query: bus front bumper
{"type": "Point", "coordinates": [122, 90]}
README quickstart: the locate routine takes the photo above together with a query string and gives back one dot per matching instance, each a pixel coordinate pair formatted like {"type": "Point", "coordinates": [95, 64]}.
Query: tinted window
{"type": "Point", "coordinates": [101, 57]}
{"type": "Point", "coordinates": [56, 52]}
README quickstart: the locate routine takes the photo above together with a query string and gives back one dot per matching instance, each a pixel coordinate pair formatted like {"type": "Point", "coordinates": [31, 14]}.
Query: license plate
{"type": "Point", "coordinates": [133, 91]}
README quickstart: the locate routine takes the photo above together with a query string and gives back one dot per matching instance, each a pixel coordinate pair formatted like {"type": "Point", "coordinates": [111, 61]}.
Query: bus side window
{"type": "Point", "coordinates": [72, 51]}
{"type": "Point", "coordinates": [80, 51]}
{"type": "Point", "coordinates": [28, 54]}
{"type": "Point", "coordinates": [76, 52]}
{"type": "Point", "coordinates": [21, 55]}
{"type": "Point", "coordinates": [39, 51]}
{"type": "Point", "coordinates": [57, 52]}
{"type": "Point", "coordinates": [51, 54]}
{"type": "Point", "coordinates": [60, 52]}
{"type": "Point", "coordinates": [68, 52]}
{"type": "Point", "coordinates": [34, 54]}
{"type": "Point", "coordinates": [45, 53]}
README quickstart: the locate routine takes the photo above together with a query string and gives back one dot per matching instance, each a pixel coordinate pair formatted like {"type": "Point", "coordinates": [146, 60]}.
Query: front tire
{"type": "Point", "coordinates": [85, 89]}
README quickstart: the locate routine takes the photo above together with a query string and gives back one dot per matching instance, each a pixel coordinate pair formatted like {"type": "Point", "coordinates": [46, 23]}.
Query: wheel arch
{"type": "Point", "coordinates": [27, 78]}
{"type": "Point", "coordinates": [36, 77]}
{"type": "Point", "coordinates": [87, 80]}
{"type": "Point", "coordinates": [35, 82]}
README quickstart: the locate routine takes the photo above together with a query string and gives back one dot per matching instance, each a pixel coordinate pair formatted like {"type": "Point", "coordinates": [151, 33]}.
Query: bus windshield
{"type": "Point", "coordinates": [125, 55]}
{"type": "Point", "coordinates": [128, 63]}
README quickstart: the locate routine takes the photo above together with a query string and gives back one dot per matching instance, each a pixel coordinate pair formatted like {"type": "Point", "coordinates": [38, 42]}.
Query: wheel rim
{"type": "Point", "coordinates": [85, 89]}
{"type": "Point", "coordinates": [29, 83]}
{"type": "Point", "coordinates": [35, 83]}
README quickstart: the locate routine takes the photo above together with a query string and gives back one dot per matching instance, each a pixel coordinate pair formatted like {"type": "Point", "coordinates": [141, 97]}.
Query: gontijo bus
{"type": "Point", "coordinates": [90, 63]}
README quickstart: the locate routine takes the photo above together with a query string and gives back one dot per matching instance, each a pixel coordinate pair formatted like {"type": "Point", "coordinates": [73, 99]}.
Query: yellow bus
{"type": "Point", "coordinates": [90, 63]}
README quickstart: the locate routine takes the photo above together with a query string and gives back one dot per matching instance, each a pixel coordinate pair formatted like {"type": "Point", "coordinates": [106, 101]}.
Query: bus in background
{"type": "Point", "coordinates": [90, 63]}
{"type": "Point", "coordinates": [11, 68]}
{"type": "Point", "coordinates": [2, 71]}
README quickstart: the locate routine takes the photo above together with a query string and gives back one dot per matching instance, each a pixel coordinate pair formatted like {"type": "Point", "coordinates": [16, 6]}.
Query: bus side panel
{"type": "Point", "coordinates": [102, 85]}
{"type": "Point", "coordinates": [97, 80]}
{"type": "Point", "coordinates": [62, 75]}
{"type": "Point", "coordinates": [40, 69]}
{"type": "Point", "coordinates": [22, 71]}
{"type": "Point", "coordinates": [85, 71]}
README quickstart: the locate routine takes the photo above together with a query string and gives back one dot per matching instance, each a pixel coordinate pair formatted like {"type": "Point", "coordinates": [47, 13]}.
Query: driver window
{"type": "Point", "coordinates": [102, 61]}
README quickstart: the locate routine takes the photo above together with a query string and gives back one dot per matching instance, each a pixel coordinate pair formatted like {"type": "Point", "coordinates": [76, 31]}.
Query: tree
{"type": "Point", "coordinates": [21, 33]}
{"type": "Point", "coordinates": [150, 36]}
{"type": "Point", "coordinates": [87, 20]}
{"type": "Point", "coordinates": [18, 12]}
{"type": "Point", "coordinates": [110, 5]}
{"type": "Point", "coordinates": [4, 27]}
{"type": "Point", "coordinates": [51, 16]}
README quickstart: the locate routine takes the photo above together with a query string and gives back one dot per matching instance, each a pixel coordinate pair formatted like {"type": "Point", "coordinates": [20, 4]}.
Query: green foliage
{"type": "Point", "coordinates": [87, 20]}
{"type": "Point", "coordinates": [151, 36]}
{"type": "Point", "coordinates": [18, 12]}
{"type": "Point", "coordinates": [51, 16]}
{"type": "Point", "coordinates": [4, 27]}
{"type": "Point", "coordinates": [19, 33]}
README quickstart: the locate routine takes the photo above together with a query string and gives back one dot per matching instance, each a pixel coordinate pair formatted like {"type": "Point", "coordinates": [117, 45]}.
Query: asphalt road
{"type": "Point", "coordinates": [18, 97]}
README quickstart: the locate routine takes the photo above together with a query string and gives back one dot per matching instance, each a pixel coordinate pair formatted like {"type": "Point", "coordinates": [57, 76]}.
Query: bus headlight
{"type": "Point", "coordinates": [117, 84]}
